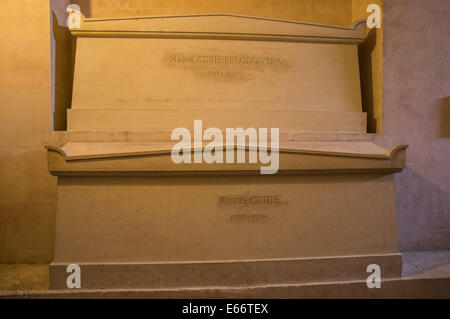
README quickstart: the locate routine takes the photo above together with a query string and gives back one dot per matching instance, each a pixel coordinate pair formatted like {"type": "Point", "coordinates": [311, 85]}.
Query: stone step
{"type": "Point", "coordinates": [406, 288]}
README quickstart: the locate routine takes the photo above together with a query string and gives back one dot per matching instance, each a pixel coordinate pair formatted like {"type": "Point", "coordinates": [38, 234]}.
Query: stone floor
{"type": "Point", "coordinates": [21, 278]}
{"type": "Point", "coordinates": [24, 277]}
{"type": "Point", "coordinates": [431, 264]}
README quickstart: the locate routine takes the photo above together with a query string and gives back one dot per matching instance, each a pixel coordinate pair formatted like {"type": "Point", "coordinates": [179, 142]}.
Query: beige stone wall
{"type": "Point", "coordinates": [417, 112]}
{"type": "Point", "coordinates": [27, 191]}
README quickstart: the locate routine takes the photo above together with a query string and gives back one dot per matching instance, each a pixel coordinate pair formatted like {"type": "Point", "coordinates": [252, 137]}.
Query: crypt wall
{"type": "Point", "coordinates": [27, 191]}
{"type": "Point", "coordinates": [417, 112]}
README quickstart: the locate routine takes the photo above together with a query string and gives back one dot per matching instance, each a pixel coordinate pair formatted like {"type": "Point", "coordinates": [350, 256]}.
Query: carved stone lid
{"type": "Point", "coordinates": [148, 159]}
{"type": "Point", "coordinates": [221, 26]}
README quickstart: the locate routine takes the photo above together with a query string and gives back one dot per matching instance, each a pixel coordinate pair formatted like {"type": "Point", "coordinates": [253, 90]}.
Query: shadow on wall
{"type": "Point", "coordinates": [64, 52]}
{"type": "Point", "coordinates": [445, 117]}
{"type": "Point", "coordinates": [365, 51]}
{"type": "Point", "coordinates": [423, 213]}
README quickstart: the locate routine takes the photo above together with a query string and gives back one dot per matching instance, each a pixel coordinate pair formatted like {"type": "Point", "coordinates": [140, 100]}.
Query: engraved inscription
{"type": "Point", "coordinates": [248, 218]}
{"type": "Point", "coordinates": [254, 200]}
{"type": "Point", "coordinates": [224, 59]}
{"type": "Point", "coordinates": [228, 68]}
{"type": "Point", "coordinates": [221, 74]}
{"type": "Point", "coordinates": [255, 209]}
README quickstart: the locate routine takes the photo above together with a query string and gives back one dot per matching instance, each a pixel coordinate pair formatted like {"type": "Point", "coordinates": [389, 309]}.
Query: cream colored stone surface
{"type": "Point", "coordinates": [181, 218]}
{"type": "Point", "coordinates": [27, 234]}
{"type": "Point", "coordinates": [392, 289]}
{"type": "Point", "coordinates": [73, 151]}
{"type": "Point", "coordinates": [19, 127]}
{"type": "Point", "coordinates": [222, 26]}
{"type": "Point", "coordinates": [236, 274]}
{"type": "Point", "coordinates": [122, 228]}
{"type": "Point", "coordinates": [164, 137]}
{"type": "Point", "coordinates": [289, 122]}
{"type": "Point", "coordinates": [24, 277]}
{"type": "Point", "coordinates": [131, 159]}
{"type": "Point", "coordinates": [425, 275]}
{"type": "Point", "coordinates": [215, 77]}
{"type": "Point", "coordinates": [25, 77]}
{"type": "Point", "coordinates": [127, 209]}
{"type": "Point", "coordinates": [323, 11]}
{"type": "Point", "coordinates": [22, 63]}
{"type": "Point", "coordinates": [21, 164]}
{"type": "Point", "coordinates": [27, 193]}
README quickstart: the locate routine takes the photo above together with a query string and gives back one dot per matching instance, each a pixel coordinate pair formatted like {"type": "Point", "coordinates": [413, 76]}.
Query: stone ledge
{"type": "Point", "coordinates": [147, 159]}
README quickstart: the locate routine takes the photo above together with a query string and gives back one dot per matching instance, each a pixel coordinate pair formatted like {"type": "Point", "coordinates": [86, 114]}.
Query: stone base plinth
{"type": "Point", "coordinates": [132, 219]}
{"type": "Point", "coordinates": [226, 274]}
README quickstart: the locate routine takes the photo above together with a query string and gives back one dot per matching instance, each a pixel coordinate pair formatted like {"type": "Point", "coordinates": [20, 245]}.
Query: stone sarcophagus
{"type": "Point", "coordinates": [132, 218]}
